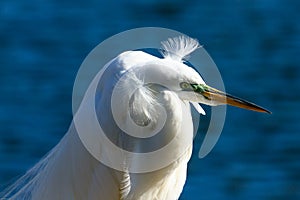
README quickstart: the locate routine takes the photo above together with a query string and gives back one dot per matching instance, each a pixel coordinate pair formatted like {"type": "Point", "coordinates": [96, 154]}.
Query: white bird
{"type": "Point", "coordinates": [147, 88]}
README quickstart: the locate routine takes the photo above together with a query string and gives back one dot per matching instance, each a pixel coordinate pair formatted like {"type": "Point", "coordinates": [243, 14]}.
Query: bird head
{"type": "Point", "coordinates": [189, 86]}
{"type": "Point", "coordinates": [187, 82]}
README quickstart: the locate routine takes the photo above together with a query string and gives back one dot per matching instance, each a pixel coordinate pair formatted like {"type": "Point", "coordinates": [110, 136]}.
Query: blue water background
{"type": "Point", "coordinates": [255, 45]}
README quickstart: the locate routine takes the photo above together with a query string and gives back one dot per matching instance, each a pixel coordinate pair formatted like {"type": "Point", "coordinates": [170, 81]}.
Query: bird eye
{"type": "Point", "coordinates": [185, 85]}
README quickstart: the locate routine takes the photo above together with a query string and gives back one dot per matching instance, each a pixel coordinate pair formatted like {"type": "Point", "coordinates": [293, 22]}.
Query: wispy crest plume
{"type": "Point", "coordinates": [179, 48]}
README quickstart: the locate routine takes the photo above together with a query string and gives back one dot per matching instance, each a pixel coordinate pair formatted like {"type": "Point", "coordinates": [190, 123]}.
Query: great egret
{"type": "Point", "coordinates": [148, 88]}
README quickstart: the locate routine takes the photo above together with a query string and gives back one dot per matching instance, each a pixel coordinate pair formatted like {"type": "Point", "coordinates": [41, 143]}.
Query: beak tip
{"type": "Point", "coordinates": [269, 112]}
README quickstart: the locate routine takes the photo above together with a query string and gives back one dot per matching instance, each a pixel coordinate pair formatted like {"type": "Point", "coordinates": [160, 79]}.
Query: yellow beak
{"type": "Point", "coordinates": [219, 97]}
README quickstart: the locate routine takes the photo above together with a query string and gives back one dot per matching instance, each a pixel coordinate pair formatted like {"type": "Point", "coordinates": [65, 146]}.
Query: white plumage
{"type": "Point", "coordinates": [71, 172]}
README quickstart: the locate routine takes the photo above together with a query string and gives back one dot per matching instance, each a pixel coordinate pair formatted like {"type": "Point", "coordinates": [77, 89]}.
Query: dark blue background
{"type": "Point", "coordinates": [255, 44]}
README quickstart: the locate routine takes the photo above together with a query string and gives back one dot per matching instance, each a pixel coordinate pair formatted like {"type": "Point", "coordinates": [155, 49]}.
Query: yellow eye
{"type": "Point", "coordinates": [185, 85]}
